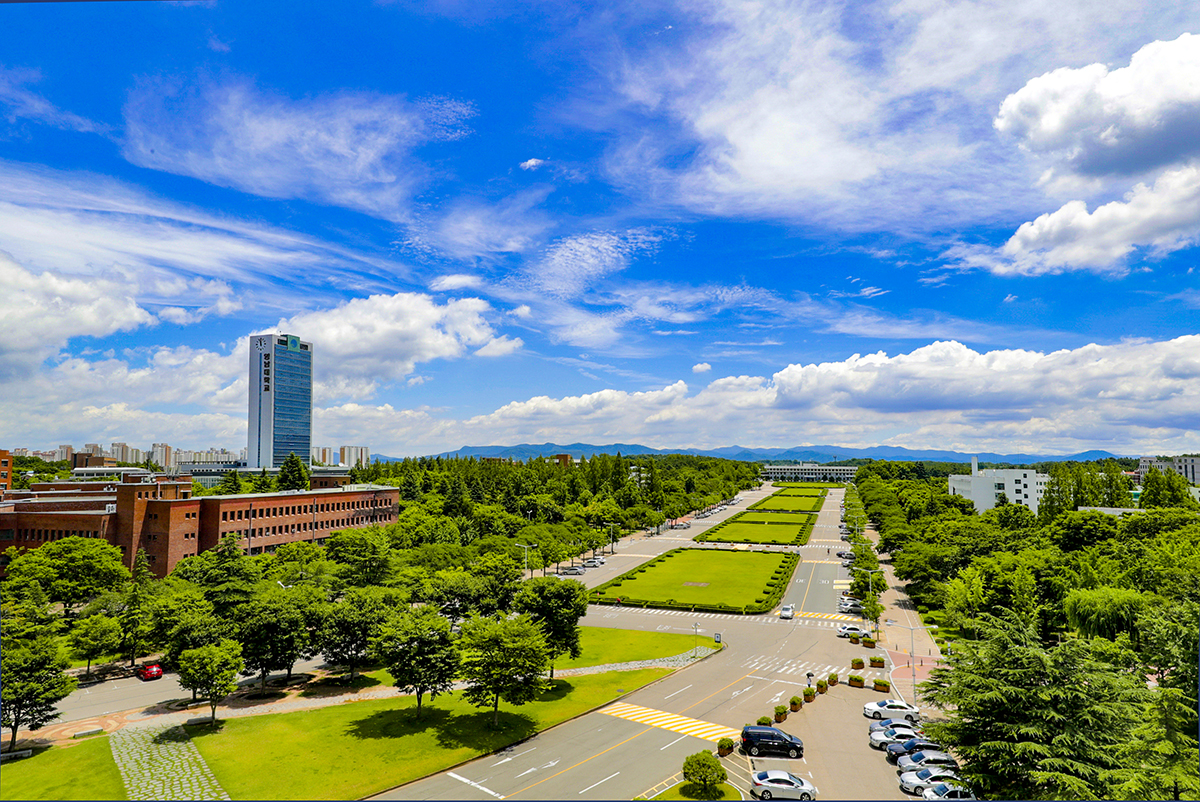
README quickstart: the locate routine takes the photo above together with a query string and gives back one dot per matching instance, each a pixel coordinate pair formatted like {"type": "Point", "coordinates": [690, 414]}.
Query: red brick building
{"type": "Point", "coordinates": [158, 513]}
{"type": "Point", "coordinates": [6, 471]}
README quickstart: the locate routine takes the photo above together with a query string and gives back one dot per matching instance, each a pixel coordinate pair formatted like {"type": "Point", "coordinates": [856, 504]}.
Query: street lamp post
{"type": "Point", "coordinates": [912, 648]}
{"type": "Point", "coordinates": [527, 548]}
{"type": "Point", "coordinates": [870, 585]}
{"type": "Point", "coordinates": [695, 639]}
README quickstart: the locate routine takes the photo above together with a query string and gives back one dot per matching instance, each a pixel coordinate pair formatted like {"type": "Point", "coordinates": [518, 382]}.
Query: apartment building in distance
{"type": "Point", "coordinates": [160, 514]}
{"type": "Point", "coordinates": [1019, 485]}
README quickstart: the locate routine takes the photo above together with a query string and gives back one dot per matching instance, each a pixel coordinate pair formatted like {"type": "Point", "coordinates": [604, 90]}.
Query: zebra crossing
{"type": "Point", "coordinates": [772, 665]}
{"type": "Point", "coordinates": [669, 721]}
{"type": "Point", "coordinates": [831, 619]}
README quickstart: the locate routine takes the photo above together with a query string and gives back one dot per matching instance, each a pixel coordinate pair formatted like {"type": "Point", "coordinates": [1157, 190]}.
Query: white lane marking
{"type": "Point", "coordinates": [677, 740]}
{"type": "Point", "coordinates": [475, 785]}
{"type": "Point", "coordinates": [681, 690]}
{"type": "Point", "coordinates": [526, 752]}
{"type": "Point", "coordinates": [739, 693]}
{"type": "Point", "coordinates": [606, 779]}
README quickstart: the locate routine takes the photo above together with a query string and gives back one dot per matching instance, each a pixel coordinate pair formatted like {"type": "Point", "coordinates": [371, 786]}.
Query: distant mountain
{"type": "Point", "coordinates": [818, 454]}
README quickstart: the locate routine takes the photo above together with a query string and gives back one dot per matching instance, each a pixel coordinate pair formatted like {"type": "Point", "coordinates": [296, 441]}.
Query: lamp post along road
{"type": "Point", "coordinates": [912, 649]}
{"type": "Point", "coordinates": [526, 552]}
{"type": "Point", "coordinates": [871, 586]}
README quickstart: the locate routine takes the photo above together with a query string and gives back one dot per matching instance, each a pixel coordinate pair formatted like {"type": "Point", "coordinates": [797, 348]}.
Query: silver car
{"type": "Point", "coordinates": [948, 791]}
{"type": "Point", "coordinates": [916, 782]}
{"type": "Point", "coordinates": [882, 738]}
{"type": "Point", "coordinates": [781, 785]}
{"type": "Point", "coordinates": [925, 759]}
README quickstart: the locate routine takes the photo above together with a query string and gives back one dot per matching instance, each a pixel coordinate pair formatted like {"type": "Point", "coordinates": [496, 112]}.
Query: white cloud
{"type": "Point", "coordinates": [1124, 121]}
{"type": "Point", "coordinates": [701, 367]}
{"type": "Point", "coordinates": [500, 346]}
{"type": "Point", "coordinates": [1008, 299]}
{"type": "Point", "coordinates": [23, 103]}
{"type": "Point", "coordinates": [347, 149]}
{"type": "Point", "coordinates": [455, 281]}
{"type": "Point", "coordinates": [572, 265]}
{"type": "Point", "coordinates": [532, 164]}
{"type": "Point", "coordinates": [471, 228]}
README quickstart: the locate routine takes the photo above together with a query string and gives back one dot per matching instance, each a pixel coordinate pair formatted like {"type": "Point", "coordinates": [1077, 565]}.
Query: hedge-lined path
{"type": "Point", "coordinates": [159, 761]}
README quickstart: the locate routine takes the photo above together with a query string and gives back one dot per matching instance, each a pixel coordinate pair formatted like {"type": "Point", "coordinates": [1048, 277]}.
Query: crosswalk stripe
{"type": "Point", "coordinates": [669, 721]}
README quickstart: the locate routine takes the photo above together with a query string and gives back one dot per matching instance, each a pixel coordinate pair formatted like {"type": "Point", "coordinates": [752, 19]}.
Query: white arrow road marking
{"type": "Point", "coordinates": [739, 693]}
{"type": "Point", "coordinates": [476, 785]}
{"type": "Point", "coordinates": [606, 779]}
{"type": "Point", "coordinates": [526, 752]}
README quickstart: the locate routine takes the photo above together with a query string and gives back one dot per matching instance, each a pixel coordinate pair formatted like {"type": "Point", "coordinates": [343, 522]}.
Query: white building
{"type": "Point", "coordinates": [808, 472]}
{"type": "Point", "coordinates": [984, 488]}
{"type": "Point", "coordinates": [280, 414]}
{"type": "Point", "coordinates": [354, 455]}
{"type": "Point", "coordinates": [1187, 466]}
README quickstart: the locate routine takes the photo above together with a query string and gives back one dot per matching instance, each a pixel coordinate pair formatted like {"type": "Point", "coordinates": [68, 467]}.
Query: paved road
{"type": "Point", "coordinates": [765, 662]}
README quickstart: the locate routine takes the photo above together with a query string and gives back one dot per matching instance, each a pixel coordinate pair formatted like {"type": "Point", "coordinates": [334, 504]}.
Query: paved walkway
{"type": "Point", "coordinates": [159, 761]}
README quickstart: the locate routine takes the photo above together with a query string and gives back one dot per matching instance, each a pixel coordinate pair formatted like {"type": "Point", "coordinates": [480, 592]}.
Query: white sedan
{"type": "Point", "coordinates": [881, 738]}
{"type": "Point", "coordinates": [781, 785]}
{"type": "Point", "coordinates": [891, 708]}
{"type": "Point", "coordinates": [787, 611]}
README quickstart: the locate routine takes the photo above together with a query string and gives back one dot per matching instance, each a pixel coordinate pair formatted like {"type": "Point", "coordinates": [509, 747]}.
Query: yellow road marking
{"type": "Point", "coordinates": [669, 721]}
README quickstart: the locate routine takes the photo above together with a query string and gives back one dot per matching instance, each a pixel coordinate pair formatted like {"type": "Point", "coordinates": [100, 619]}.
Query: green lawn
{"type": "Point", "coordinates": [80, 771]}
{"type": "Point", "coordinates": [603, 646]}
{"type": "Point", "coordinates": [779, 534]}
{"type": "Point", "coordinates": [801, 491]}
{"type": "Point", "coordinates": [788, 503]}
{"type": "Point", "coordinates": [808, 484]}
{"type": "Point", "coordinates": [701, 576]}
{"type": "Point", "coordinates": [800, 518]}
{"type": "Point", "coordinates": [687, 790]}
{"type": "Point", "coordinates": [355, 750]}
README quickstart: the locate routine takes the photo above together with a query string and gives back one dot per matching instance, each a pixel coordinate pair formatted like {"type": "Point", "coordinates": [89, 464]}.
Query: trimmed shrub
{"type": "Point", "coordinates": [857, 662]}
{"type": "Point", "coordinates": [764, 721]}
{"type": "Point", "coordinates": [822, 686]}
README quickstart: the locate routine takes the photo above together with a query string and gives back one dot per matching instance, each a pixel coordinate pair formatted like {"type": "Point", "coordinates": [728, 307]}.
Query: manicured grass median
{"type": "Point", "coordinates": [80, 771]}
{"type": "Point", "coordinates": [800, 518]}
{"type": "Point", "coordinates": [355, 750]}
{"type": "Point", "coordinates": [686, 577]}
{"type": "Point", "coordinates": [782, 535]}
{"type": "Point", "coordinates": [604, 646]}
{"type": "Point", "coordinates": [789, 503]}
{"type": "Point", "coordinates": [687, 790]}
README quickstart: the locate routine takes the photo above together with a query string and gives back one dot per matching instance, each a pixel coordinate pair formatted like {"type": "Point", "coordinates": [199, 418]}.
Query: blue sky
{"type": "Point", "coordinates": [928, 224]}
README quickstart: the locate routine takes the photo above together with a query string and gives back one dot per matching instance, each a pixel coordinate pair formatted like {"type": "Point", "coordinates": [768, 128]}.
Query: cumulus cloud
{"type": "Point", "coordinates": [1123, 121]}
{"type": "Point", "coordinates": [350, 149]}
{"type": "Point", "coordinates": [701, 367]}
{"type": "Point", "coordinates": [500, 346]}
{"type": "Point", "coordinates": [532, 164]}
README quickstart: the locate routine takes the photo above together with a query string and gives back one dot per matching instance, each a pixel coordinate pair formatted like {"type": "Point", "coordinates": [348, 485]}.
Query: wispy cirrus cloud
{"type": "Point", "coordinates": [22, 102]}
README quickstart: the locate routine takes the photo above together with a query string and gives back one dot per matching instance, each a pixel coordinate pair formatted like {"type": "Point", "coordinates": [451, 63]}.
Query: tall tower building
{"type": "Point", "coordinates": [280, 400]}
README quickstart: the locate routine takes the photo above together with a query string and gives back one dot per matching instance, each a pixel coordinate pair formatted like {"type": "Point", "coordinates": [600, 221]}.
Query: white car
{"type": "Point", "coordinates": [846, 630]}
{"type": "Point", "coordinates": [781, 785]}
{"type": "Point", "coordinates": [947, 791]}
{"type": "Point", "coordinates": [891, 708]}
{"type": "Point", "coordinates": [591, 563]}
{"type": "Point", "coordinates": [917, 782]}
{"type": "Point", "coordinates": [787, 611]}
{"type": "Point", "coordinates": [881, 738]}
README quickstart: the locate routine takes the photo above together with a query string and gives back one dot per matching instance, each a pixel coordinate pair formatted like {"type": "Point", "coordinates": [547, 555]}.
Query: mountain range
{"type": "Point", "coordinates": [818, 454]}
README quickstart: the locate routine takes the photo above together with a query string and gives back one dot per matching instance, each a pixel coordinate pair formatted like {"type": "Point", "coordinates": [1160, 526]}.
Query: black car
{"type": "Point", "coordinates": [897, 751]}
{"type": "Point", "coordinates": [770, 741]}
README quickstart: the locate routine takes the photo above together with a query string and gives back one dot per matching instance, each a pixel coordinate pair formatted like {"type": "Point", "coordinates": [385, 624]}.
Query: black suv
{"type": "Point", "coordinates": [768, 740]}
{"type": "Point", "coordinates": [899, 750]}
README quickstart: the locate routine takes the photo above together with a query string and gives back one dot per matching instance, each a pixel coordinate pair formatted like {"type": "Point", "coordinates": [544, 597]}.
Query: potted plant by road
{"type": "Point", "coordinates": [833, 679]}
{"type": "Point", "coordinates": [877, 661]}
{"type": "Point", "coordinates": [856, 663]}
{"type": "Point", "coordinates": [724, 747]}
{"type": "Point", "coordinates": [855, 681]}
{"type": "Point", "coordinates": [764, 721]}
{"type": "Point", "coordinates": [869, 643]}
{"type": "Point", "coordinates": [883, 685]}
{"type": "Point", "coordinates": [781, 712]}
{"type": "Point", "coordinates": [809, 694]}
{"type": "Point", "coordinates": [854, 639]}
{"type": "Point", "coordinates": [822, 686]}
{"type": "Point", "coordinates": [796, 703]}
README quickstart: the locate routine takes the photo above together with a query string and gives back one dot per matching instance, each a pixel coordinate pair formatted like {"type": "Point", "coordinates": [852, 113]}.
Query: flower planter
{"type": "Point", "coordinates": [780, 718]}
{"type": "Point", "coordinates": [854, 639]}
{"type": "Point", "coordinates": [833, 679]}
{"type": "Point", "coordinates": [857, 662]}
{"type": "Point", "coordinates": [724, 747]}
{"type": "Point", "coordinates": [809, 694]}
{"type": "Point", "coordinates": [883, 685]}
{"type": "Point", "coordinates": [876, 662]}
{"type": "Point", "coordinates": [870, 644]}
{"type": "Point", "coordinates": [855, 682]}
{"type": "Point", "coordinates": [796, 703]}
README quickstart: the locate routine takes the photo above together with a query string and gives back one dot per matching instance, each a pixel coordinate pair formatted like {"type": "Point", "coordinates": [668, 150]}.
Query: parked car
{"type": "Point", "coordinates": [848, 595]}
{"type": "Point", "coordinates": [884, 738]}
{"type": "Point", "coordinates": [888, 723]}
{"type": "Point", "coordinates": [149, 671]}
{"type": "Point", "coordinates": [917, 743]}
{"type": "Point", "coordinates": [768, 740]}
{"type": "Point", "coordinates": [847, 563]}
{"type": "Point", "coordinates": [781, 785]}
{"type": "Point", "coordinates": [915, 782]}
{"type": "Point", "coordinates": [787, 611]}
{"type": "Point", "coordinates": [925, 759]}
{"type": "Point", "coordinates": [846, 630]}
{"type": "Point", "coordinates": [947, 791]}
{"type": "Point", "coordinates": [592, 563]}
{"type": "Point", "coordinates": [892, 708]}
{"type": "Point", "coordinates": [850, 607]}
{"type": "Point", "coordinates": [846, 555]}
{"type": "Point", "coordinates": [573, 570]}
{"type": "Point", "coordinates": [846, 536]}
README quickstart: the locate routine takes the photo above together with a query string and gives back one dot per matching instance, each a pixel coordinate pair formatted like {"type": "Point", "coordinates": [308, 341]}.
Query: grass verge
{"type": "Point", "coordinates": [80, 771]}
{"type": "Point", "coordinates": [687, 790]}
{"type": "Point", "coordinates": [789, 503]}
{"type": "Point", "coordinates": [706, 578]}
{"type": "Point", "coordinates": [356, 750]}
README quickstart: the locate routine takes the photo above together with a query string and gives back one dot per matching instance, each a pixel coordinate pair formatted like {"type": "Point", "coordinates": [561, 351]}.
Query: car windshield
{"type": "Point", "coordinates": [940, 789]}
{"type": "Point", "coordinates": [925, 774]}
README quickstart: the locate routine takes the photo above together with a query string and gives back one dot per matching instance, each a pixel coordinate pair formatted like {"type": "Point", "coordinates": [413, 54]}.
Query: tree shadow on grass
{"type": "Point", "coordinates": [453, 731]}
{"type": "Point", "coordinates": [701, 792]}
{"type": "Point", "coordinates": [334, 686]}
{"type": "Point", "coordinates": [559, 689]}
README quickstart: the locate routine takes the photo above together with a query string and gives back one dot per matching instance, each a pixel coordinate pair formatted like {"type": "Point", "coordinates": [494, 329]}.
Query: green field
{"type": "Point", "coordinates": [777, 534]}
{"type": "Point", "coordinates": [808, 484]}
{"type": "Point", "coordinates": [355, 750]}
{"type": "Point", "coordinates": [788, 503]}
{"type": "Point", "coordinates": [80, 771]}
{"type": "Point", "coordinates": [699, 576]}
{"type": "Point", "coordinates": [605, 646]}
{"type": "Point", "coordinates": [798, 518]}
{"type": "Point", "coordinates": [801, 491]}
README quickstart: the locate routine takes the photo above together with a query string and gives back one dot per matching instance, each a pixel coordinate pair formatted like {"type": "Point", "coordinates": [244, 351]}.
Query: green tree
{"type": "Point", "coordinates": [419, 651]}
{"type": "Point", "coordinates": [1059, 741]}
{"type": "Point", "coordinates": [364, 554]}
{"type": "Point", "coordinates": [293, 474]}
{"type": "Point", "coordinates": [193, 630]}
{"type": "Point", "coordinates": [211, 671]}
{"type": "Point", "coordinates": [230, 485]}
{"type": "Point", "coordinates": [95, 636]}
{"type": "Point", "coordinates": [556, 606]}
{"type": "Point", "coordinates": [263, 483]}
{"type": "Point", "coordinates": [706, 771]}
{"type": "Point", "coordinates": [1159, 759]}
{"type": "Point", "coordinates": [137, 623]}
{"type": "Point", "coordinates": [1164, 489]}
{"type": "Point", "coordinates": [32, 683]}
{"type": "Point", "coordinates": [273, 634]}
{"type": "Point", "coordinates": [72, 570]}
{"type": "Point", "coordinates": [503, 658]}
{"type": "Point", "coordinates": [350, 625]}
